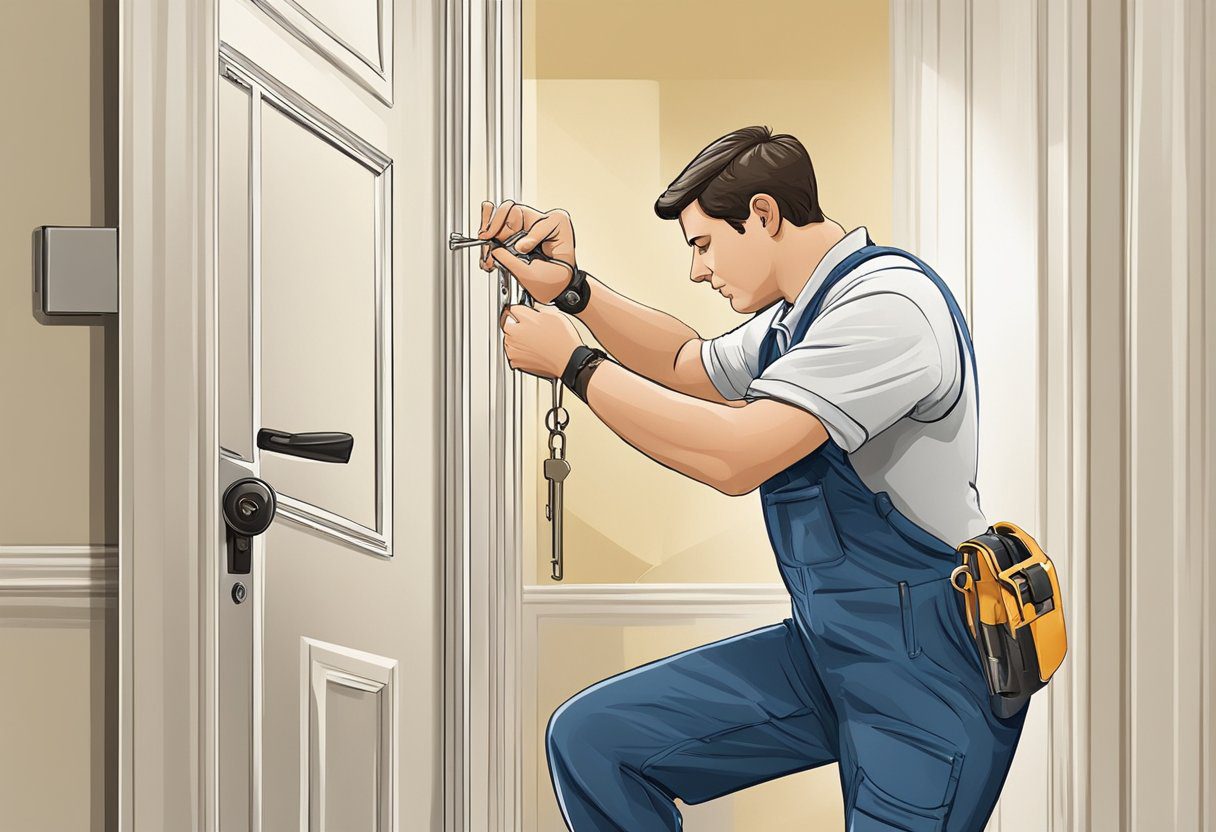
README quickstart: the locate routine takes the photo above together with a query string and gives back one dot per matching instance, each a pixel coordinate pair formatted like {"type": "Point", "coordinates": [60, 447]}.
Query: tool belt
{"type": "Point", "coordinates": [1014, 613]}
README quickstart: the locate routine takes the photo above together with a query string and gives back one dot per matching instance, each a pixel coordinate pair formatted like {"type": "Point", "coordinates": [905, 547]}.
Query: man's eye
{"type": "Point", "coordinates": [703, 248]}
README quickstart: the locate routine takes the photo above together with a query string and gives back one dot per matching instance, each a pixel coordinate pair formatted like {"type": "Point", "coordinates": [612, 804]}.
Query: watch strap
{"type": "Point", "coordinates": [583, 377]}
{"type": "Point", "coordinates": [577, 358]}
{"type": "Point", "coordinates": [575, 297]}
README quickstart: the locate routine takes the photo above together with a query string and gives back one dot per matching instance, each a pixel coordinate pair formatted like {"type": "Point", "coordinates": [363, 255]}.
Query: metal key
{"type": "Point", "coordinates": [556, 471]}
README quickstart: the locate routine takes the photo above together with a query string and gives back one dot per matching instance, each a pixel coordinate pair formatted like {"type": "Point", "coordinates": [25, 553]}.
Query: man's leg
{"type": "Point", "coordinates": [909, 778]}
{"type": "Point", "coordinates": [694, 726]}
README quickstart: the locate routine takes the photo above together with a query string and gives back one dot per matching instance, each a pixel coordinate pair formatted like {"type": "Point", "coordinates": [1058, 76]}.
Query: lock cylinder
{"type": "Point", "coordinates": [249, 507]}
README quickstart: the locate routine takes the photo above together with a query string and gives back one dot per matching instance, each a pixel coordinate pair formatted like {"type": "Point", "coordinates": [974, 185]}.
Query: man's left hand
{"type": "Point", "coordinates": [538, 340]}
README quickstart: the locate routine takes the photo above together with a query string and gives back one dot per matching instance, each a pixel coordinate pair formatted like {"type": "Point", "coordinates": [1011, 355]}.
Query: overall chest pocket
{"type": "Point", "coordinates": [800, 526]}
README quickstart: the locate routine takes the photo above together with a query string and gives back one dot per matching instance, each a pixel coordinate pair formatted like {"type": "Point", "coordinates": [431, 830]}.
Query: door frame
{"type": "Point", "coordinates": [168, 421]}
{"type": "Point", "coordinates": [482, 455]}
{"type": "Point", "coordinates": [168, 424]}
{"type": "Point", "coordinates": [488, 89]}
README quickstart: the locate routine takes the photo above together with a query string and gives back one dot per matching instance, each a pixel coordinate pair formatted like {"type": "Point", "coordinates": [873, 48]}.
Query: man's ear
{"type": "Point", "coordinates": [766, 210]}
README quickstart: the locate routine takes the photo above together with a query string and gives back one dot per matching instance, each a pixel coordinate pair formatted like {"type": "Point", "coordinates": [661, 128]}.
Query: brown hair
{"type": "Point", "coordinates": [727, 173]}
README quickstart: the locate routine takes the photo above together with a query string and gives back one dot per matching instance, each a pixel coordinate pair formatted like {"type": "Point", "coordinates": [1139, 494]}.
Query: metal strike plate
{"type": "Point", "coordinates": [77, 270]}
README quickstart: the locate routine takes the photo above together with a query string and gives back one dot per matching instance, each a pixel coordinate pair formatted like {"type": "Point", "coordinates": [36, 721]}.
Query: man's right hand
{"type": "Point", "coordinates": [552, 231]}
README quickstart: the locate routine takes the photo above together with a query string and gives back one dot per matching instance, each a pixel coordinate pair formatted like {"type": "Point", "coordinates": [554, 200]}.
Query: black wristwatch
{"type": "Point", "coordinates": [573, 299]}
{"type": "Point", "coordinates": [581, 357]}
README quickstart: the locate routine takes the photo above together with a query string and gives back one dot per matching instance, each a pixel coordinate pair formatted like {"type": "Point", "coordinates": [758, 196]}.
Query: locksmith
{"type": "Point", "coordinates": [849, 399]}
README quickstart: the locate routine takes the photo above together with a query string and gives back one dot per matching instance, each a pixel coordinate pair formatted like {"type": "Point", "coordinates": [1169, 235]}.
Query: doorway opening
{"type": "Point", "coordinates": [655, 562]}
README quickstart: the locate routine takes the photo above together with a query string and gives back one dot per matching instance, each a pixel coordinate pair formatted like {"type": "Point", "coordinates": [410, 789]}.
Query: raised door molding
{"type": "Point", "coordinates": [362, 682]}
{"type": "Point", "coordinates": [359, 43]}
{"type": "Point", "coordinates": [265, 88]}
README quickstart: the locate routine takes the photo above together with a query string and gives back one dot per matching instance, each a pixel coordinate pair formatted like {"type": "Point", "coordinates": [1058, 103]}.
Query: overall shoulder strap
{"type": "Point", "coordinates": [857, 258]}
{"type": "Point", "coordinates": [955, 312]}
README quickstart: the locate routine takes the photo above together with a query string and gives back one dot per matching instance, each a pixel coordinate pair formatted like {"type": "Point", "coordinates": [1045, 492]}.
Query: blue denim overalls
{"type": "Point", "coordinates": [875, 670]}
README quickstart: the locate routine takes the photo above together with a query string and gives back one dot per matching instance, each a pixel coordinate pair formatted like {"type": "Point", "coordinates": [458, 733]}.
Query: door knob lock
{"type": "Point", "coordinates": [249, 505]}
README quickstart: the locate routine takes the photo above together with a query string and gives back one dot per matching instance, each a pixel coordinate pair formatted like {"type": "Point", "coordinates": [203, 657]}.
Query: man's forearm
{"type": "Point", "coordinates": [645, 340]}
{"type": "Point", "coordinates": [686, 434]}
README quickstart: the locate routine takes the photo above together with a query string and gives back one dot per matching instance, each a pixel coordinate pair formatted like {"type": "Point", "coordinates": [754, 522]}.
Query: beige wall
{"type": "Point", "coordinates": [58, 384]}
{"type": "Point", "coordinates": [605, 130]}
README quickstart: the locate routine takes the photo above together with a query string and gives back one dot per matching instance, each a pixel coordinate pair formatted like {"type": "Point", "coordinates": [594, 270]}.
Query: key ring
{"type": "Point", "coordinates": [554, 421]}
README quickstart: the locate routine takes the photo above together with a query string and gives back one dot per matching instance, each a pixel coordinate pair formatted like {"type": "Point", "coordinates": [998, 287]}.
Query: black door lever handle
{"type": "Point", "coordinates": [323, 447]}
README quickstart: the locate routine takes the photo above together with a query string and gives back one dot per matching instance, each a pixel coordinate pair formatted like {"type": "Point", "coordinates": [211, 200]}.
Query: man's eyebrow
{"type": "Point", "coordinates": [692, 241]}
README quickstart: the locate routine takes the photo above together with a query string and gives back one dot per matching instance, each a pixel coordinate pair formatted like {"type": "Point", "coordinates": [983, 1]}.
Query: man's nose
{"type": "Point", "coordinates": [700, 274]}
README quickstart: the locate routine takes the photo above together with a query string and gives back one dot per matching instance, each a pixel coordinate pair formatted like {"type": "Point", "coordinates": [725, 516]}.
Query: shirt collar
{"type": "Point", "coordinates": [786, 321]}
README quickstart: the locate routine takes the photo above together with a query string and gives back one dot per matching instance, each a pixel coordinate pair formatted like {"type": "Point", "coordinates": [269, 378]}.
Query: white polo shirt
{"type": "Point", "coordinates": [880, 368]}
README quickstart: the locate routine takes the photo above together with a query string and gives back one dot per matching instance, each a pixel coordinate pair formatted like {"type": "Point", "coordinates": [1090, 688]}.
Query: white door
{"type": "Point", "coordinates": [316, 625]}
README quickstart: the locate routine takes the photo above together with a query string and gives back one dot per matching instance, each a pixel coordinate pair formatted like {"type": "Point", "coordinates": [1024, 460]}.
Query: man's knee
{"type": "Point", "coordinates": [589, 725]}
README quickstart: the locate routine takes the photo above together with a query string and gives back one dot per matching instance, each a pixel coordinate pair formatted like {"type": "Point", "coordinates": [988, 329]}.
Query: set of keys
{"type": "Point", "coordinates": [556, 467]}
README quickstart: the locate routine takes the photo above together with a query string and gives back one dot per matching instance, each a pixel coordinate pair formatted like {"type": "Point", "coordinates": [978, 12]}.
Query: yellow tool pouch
{"type": "Point", "coordinates": [1014, 613]}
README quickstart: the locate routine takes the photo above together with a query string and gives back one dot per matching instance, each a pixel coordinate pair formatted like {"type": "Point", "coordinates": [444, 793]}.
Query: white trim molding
{"type": "Point", "coordinates": [1167, 287]}
{"type": "Point", "coordinates": [482, 519]}
{"type": "Point", "coordinates": [167, 468]}
{"type": "Point", "coordinates": [1120, 102]}
{"type": "Point", "coordinates": [49, 573]}
{"type": "Point", "coordinates": [989, 173]}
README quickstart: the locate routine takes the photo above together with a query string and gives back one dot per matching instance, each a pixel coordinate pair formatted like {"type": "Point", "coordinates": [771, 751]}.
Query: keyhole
{"type": "Point", "coordinates": [247, 506]}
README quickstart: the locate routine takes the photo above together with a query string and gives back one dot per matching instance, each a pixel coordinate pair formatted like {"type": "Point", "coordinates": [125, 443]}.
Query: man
{"type": "Point", "coordinates": [854, 411]}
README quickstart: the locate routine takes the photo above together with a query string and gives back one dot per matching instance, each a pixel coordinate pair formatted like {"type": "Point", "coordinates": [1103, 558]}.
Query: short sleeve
{"type": "Point", "coordinates": [863, 364]}
{"type": "Point", "coordinates": [732, 359]}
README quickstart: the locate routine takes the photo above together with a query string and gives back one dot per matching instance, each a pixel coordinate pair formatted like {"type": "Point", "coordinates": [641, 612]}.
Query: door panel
{"type": "Point", "coordinates": [319, 312]}
{"type": "Point", "coordinates": [310, 710]}
{"type": "Point", "coordinates": [327, 621]}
